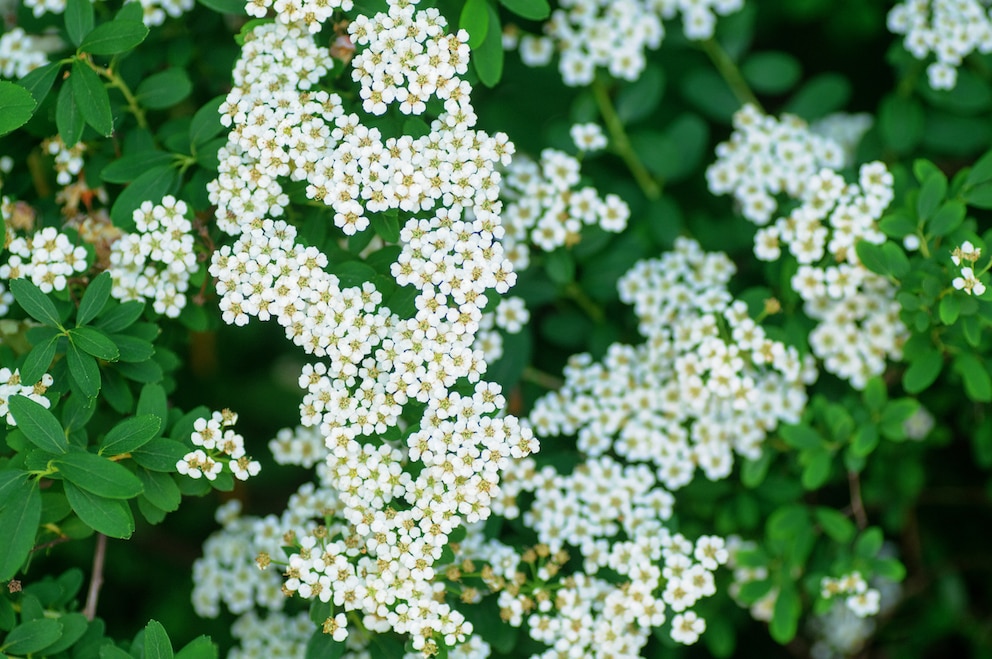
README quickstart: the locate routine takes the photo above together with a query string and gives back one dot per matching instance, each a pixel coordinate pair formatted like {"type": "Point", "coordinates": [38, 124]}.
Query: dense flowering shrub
{"type": "Point", "coordinates": [598, 329]}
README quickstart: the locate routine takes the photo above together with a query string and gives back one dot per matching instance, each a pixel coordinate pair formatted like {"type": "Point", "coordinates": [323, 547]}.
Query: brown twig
{"type": "Point", "coordinates": [857, 505]}
{"type": "Point", "coordinates": [96, 580]}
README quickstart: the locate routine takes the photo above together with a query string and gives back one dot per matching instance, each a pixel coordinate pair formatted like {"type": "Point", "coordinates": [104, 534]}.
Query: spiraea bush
{"type": "Point", "coordinates": [495, 328]}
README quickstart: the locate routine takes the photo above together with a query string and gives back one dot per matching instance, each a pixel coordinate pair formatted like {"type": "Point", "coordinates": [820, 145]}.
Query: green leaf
{"type": "Point", "coordinates": [129, 167]}
{"type": "Point", "coordinates": [94, 342]}
{"type": "Point", "coordinates": [99, 475]}
{"type": "Point", "coordinates": [164, 89]}
{"type": "Point", "coordinates": [821, 95]}
{"type": "Point", "coordinates": [94, 298]}
{"type": "Point", "coordinates": [896, 261]}
{"type": "Point", "coordinates": [91, 98]}
{"type": "Point", "coordinates": [160, 455]}
{"type": "Point", "coordinates": [753, 472]}
{"type": "Point", "coordinates": [835, 524]}
{"type": "Point", "coordinates": [114, 37]}
{"type": "Point", "coordinates": [32, 636]}
{"type": "Point", "coordinates": [35, 303]}
{"type": "Point", "coordinates": [707, 91]}
{"type": "Point", "coordinates": [981, 171]}
{"type": "Point", "coordinates": [560, 266]}
{"type": "Point", "coordinates": [157, 643]}
{"type": "Point", "coordinates": [640, 98]}
{"type": "Point", "coordinates": [200, 647]}
{"type": "Point", "coordinates": [206, 122]}
{"type": "Point", "coordinates": [771, 72]}
{"type": "Point", "coordinates": [785, 615]}
{"type": "Point", "coordinates": [225, 6]}
{"type": "Point", "coordinates": [901, 123]}
{"type": "Point", "coordinates": [120, 317]}
{"type": "Point", "coordinates": [950, 307]}
{"type": "Point", "coordinates": [131, 434]}
{"type": "Point", "coordinates": [897, 224]}
{"type": "Point", "coordinates": [474, 19]}
{"type": "Point", "coordinates": [801, 437]}
{"type": "Point", "coordinates": [39, 426]}
{"type": "Point", "coordinates": [16, 106]}
{"type": "Point", "coordinates": [84, 371]}
{"type": "Point", "coordinates": [19, 520]}
{"type": "Point", "coordinates": [68, 119]}
{"type": "Point", "coordinates": [869, 542]}
{"type": "Point", "coordinates": [979, 196]}
{"type": "Point", "coordinates": [160, 489]}
{"type": "Point", "coordinates": [322, 646]}
{"type": "Point", "coordinates": [864, 441]}
{"type": "Point", "coordinates": [153, 401]}
{"type": "Point", "coordinates": [73, 627]}
{"type": "Point", "coordinates": [488, 57]}
{"type": "Point", "coordinates": [690, 135]}
{"type": "Point", "coordinates": [977, 383]}
{"type": "Point", "coordinates": [151, 185]}
{"type": "Point", "coordinates": [38, 360]}
{"type": "Point", "coordinates": [924, 368]}
{"type": "Point", "coordinates": [948, 218]}
{"type": "Point", "coordinates": [875, 394]}
{"type": "Point", "coordinates": [111, 517]}
{"type": "Point", "coordinates": [76, 412]}
{"type": "Point", "coordinates": [387, 226]}
{"type": "Point", "coordinates": [39, 81]}
{"type": "Point", "coordinates": [932, 193]}
{"type": "Point", "coordinates": [535, 10]}
{"type": "Point", "coordinates": [787, 522]}
{"type": "Point", "coordinates": [132, 349]}
{"type": "Point", "coordinates": [871, 257]}
{"type": "Point", "coordinates": [78, 19]}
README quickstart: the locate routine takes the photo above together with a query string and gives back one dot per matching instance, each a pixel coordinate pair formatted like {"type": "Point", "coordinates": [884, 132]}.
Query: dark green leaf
{"type": "Point", "coordinates": [387, 225]}
{"type": "Point", "coordinates": [932, 193]}
{"type": "Point", "coordinates": [835, 524]}
{"type": "Point", "coordinates": [821, 95]}
{"type": "Point", "coordinates": [896, 261]}
{"type": "Point", "coordinates": [68, 119]}
{"type": "Point", "coordinates": [111, 517]}
{"type": "Point", "coordinates": [39, 426]}
{"type": "Point", "coordinates": [488, 57]}
{"type": "Point", "coordinates": [869, 542]}
{"type": "Point", "coordinates": [948, 218]}
{"type": "Point", "coordinates": [153, 401]}
{"type": "Point", "coordinates": [114, 37]}
{"type": "Point", "coordinates": [131, 434]}
{"type": "Point", "coordinates": [77, 411]}
{"type": "Point", "coordinates": [924, 367]}
{"type": "Point", "coordinates": [157, 643]}
{"type": "Point", "coordinates": [16, 106]}
{"type": "Point", "coordinates": [322, 646]}
{"type": "Point", "coordinates": [817, 468]}
{"type": "Point", "coordinates": [225, 6]}
{"type": "Point", "coordinates": [164, 89]}
{"type": "Point", "coordinates": [535, 10]}
{"type": "Point", "coordinates": [474, 19]}
{"type": "Point", "coordinates": [206, 122]}
{"type": "Point", "coordinates": [979, 196]}
{"type": "Point", "coordinates": [94, 342]}
{"type": "Point", "coordinates": [901, 123]}
{"type": "Point", "coordinates": [875, 394]}
{"type": "Point", "coordinates": [94, 298]}
{"type": "Point", "coordinates": [801, 437]}
{"type": "Point", "coordinates": [99, 475]}
{"type": "Point", "coordinates": [871, 257]}
{"type": "Point", "coordinates": [78, 19]}
{"type": "Point", "coordinates": [145, 372]}
{"type": "Point", "coordinates": [33, 636]}
{"type": "Point", "coordinates": [160, 455]}
{"type": "Point", "coordinates": [91, 97]}
{"type": "Point", "coordinates": [981, 171]}
{"type": "Point", "coordinates": [151, 185]}
{"type": "Point", "coordinates": [39, 81]}
{"type": "Point", "coordinates": [73, 627]}
{"type": "Point", "coordinates": [133, 349]}
{"type": "Point", "coordinates": [950, 307]}
{"type": "Point", "coordinates": [771, 72]}
{"type": "Point", "coordinates": [120, 317]}
{"type": "Point", "coordinates": [708, 92]}
{"type": "Point", "coordinates": [640, 98]}
{"type": "Point", "coordinates": [19, 520]}
{"type": "Point", "coordinates": [38, 360]}
{"type": "Point", "coordinates": [788, 522]}
{"type": "Point", "coordinates": [35, 303]}
{"type": "Point", "coordinates": [160, 489]}
{"type": "Point", "coordinates": [84, 371]}
{"type": "Point", "coordinates": [129, 167]}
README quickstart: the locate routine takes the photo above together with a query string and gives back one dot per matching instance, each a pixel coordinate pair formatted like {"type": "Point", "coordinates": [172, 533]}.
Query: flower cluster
{"type": "Point", "coordinates": [156, 262]}
{"type": "Point", "coordinates": [708, 381]}
{"type": "Point", "coordinates": [311, 13]}
{"type": "Point", "coordinates": [859, 325]}
{"type": "Point", "coordinates": [20, 53]}
{"type": "Point", "coordinates": [216, 445]}
{"type": "Point", "coordinates": [10, 385]}
{"type": "Point", "coordinates": [548, 208]}
{"type": "Point", "coordinates": [274, 636]}
{"type": "Point", "coordinates": [614, 34]}
{"type": "Point", "coordinates": [48, 258]}
{"type": "Point", "coordinates": [950, 29]}
{"type": "Point", "coordinates": [154, 11]}
{"type": "Point", "coordinates": [859, 598]}
{"type": "Point", "coordinates": [588, 137]}
{"type": "Point", "coordinates": [968, 281]}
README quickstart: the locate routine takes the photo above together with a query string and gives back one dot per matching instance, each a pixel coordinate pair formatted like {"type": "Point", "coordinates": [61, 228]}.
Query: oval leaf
{"type": "Point", "coordinates": [94, 298]}
{"type": "Point", "coordinates": [16, 106]}
{"type": "Point", "coordinates": [94, 342]}
{"type": "Point", "coordinates": [91, 98]}
{"type": "Point", "coordinates": [110, 517]}
{"type": "Point", "coordinates": [114, 37]}
{"type": "Point", "coordinates": [130, 434]}
{"type": "Point", "coordinates": [35, 303]}
{"type": "Point", "coordinates": [38, 424]}
{"type": "Point", "coordinates": [19, 521]}
{"type": "Point", "coordinates": [32, 636]}
{"type": "Point", "coordinates": [99, 475]}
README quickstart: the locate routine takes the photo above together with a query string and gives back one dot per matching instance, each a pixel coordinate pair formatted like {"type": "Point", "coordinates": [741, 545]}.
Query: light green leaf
{"type": "Point", "coordinates": [111, 517]}
{"type": "Point", "coordinates": [535, 10]}
{"type": "Point", "coordinates": [114, 37]}
{"type": "Point", "coordinates": [91, 98]}
{"type": "Point", "coordinates": [932, 193]}
{"type": "Point", "coordinates": [785, 615]}
{"type": "Point", "coordinates": [977, 383]}
{"type": "Point", "coordinates": [924, 367]}
{"type": "Point", "coordinates": [948, 218]}
{"type": "Point", "coordinates": [157, 643]}
{"type": "Point", "coordinates": [488, 57]}
{"type": "Point", "coordinates": [99, 475]}
{"type": "Point", "coordinates": [32, 636]}
{"type": "Point", "coordinates": [16, 106]}
{"type": "Point", "coordinates": [801, 437]}
{"type": "Point", "coordinates": [39, 426]}
{"type": "Point", "coordinates": [835, 524]}
{"type": "Point", "coordinates": [474, 19]}
{"type": "Point", "coordinates": [130, 434]}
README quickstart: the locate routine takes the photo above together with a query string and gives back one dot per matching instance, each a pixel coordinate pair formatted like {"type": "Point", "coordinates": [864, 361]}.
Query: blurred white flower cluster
{"type": "Point", "coordinates": [858, 318]}
{"type": "Point", "coordinates": [47, 257]}
{"type": "Point", "coordinates": [154, 12]}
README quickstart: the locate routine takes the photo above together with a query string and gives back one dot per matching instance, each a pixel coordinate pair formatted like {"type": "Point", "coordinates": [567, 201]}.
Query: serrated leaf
{"type": "Point", "coordinates": [157, 643]}
{"type": "Point", "coordinates": [32, 636]}
{"type": "Point", "coordinates": [68, 119]}
{"type": "Point", "coordinates": [99, 475]}
{"type": "Point", "coordinates": [535, 10]}
{"type": "Point", "coordinates": [38, 360]}
{"type": "Point", "coordinates": [164, 89]}
{"type": "Point", "coordinates": [114, 37]}
{"type": "Point", "coordinates": [94, 342]}
{"type": "Point", "coordinates": [78, 20]}
{"type": "Point", "coordinates": [111, 517]}
{"type": "Point", "coordinates": [35, 303]}
{"type": "Point", "coordinates": [84, 371]}
{"type": "Point", "coordinates": [16, 106]}
{"type": "Point", "coordinates": [19, 520]}
{"type": "Point", "coordinates": [94, 298]}
{"type": "Point", "coordinates": [130, 434]}
{"type": "Point", "coordinates": [39, 426]}
{"type": "Point", "coordinates": [200, 647]}
{"type": "Point", "coordinates": [91, 98]}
